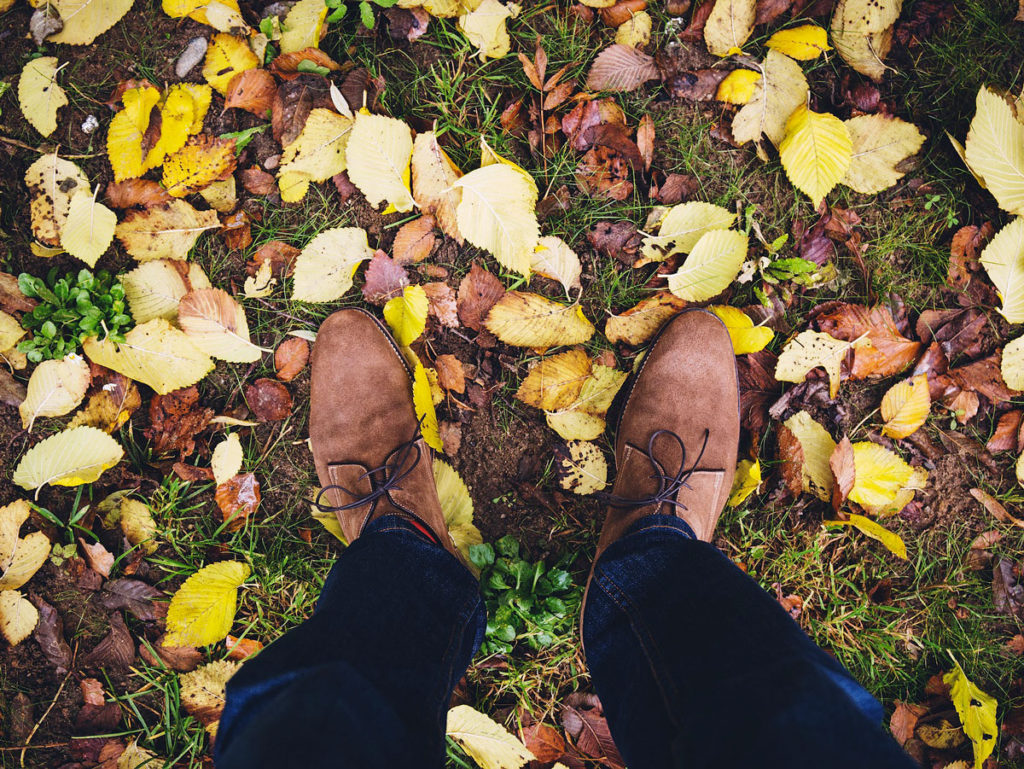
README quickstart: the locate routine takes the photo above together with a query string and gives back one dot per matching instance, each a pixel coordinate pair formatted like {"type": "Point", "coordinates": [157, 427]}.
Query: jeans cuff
{"type": "Point", "coordinates": [394, 522]}
{"type": "Point", "coordinates": [658, 521]}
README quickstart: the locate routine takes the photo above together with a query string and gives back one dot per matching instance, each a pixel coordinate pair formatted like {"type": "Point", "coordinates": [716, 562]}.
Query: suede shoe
{"type": "Point", "coordinates": [369, 454]}
{"type": "Point", "coordinates": [678, 430]}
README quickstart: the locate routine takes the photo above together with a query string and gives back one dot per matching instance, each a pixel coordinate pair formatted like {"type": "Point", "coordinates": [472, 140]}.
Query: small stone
{"type": "Point", "coordinates": [43, 24]}
{"type": "Point", "coordinates": [272, 162]}
{"type": "Point", "coordinates": [90, 124]}
{"type": "Point", "coordinates": [192, 54]}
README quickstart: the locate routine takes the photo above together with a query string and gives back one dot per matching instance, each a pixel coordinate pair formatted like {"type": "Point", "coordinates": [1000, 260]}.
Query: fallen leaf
{"type": "Point", "coordinates": [433, 180]}
{"type": "Point", "coordinates": [85, 20]}
{"type": "Point", "coordinates": [142, 600]}
{"type": "Point", "coordinates": [497, 214]}
{"type": "Point", "coordinates": [69, 458]}
{"type": "Point", "coordinates": [450, 373]}
{"type": "Point", "coordinates": [414, 241]}
{"type": "Point", "coordinates": [861, 31]}
{"type": "Point", "coordinates": [711, 266]}
{"type": "Point", "coordinates": [880, 143]}
{"type": "Point", "coordinates": [738, 86]}
{"type": "Point", "coordinates": [290, 358]}
{"type": "Point", "coordinates": [54, 389]}
{"type": "Point", "coordinates": [443, 305]}
{"type": "Point", "coordinates": [406, 315]}
{"type": "Point", "coordinates": [138, 525]}
{"type": "Point", "coordinates": [175, 419]}
{"type": "Point", "coordinates": [905, 407]}
{"type": "Point", "coordinates": [745, 337]}
{"type": "Point", "coordinates": [52, 182]}
{"type": "Point", "coordinates": [889, 352]}
{"type": "Point", "coordinates": [164, 231]}
{"type": "Point", "coordinates": [116, 650]}
{"type": "Point", "coordinates": [257, 181]}
{"type": "Point", "coordinates": [178, 658]}
{"type": "Point", "coordinates": [806, 448]}
{"type": "Point", "coordinates": [241, 648]}
{"type": "Point", "coordinates": [555, 382]}
{"type": "Point", "coordinates": [543, 741]}
{"type": "Point", "coordinates": [530, 320]}
{"type": "Point", "coordinates": [816, 152]}
{"type": "Point", "coordinates": [883, 483]}
{"type": "Point", "coordinates": [18, 617]}
{"type": "Point", "coordinates": [318, 153]}
{"type": "Point", "coordinates": [252, 90]}
{"type": "Point", "coordinates": [226, 56]}
{"type": "Point", "coordinates": [203, 692]}
{"type": "Point", "coordinates": [268, 400]}
{"type": "Point", "coordinates": [621, 68]}
{"type": "Point", "coordinates": [893, 543]}
{"type": "Point", "coordinates": [781, 90]}
{"type": "Point", "coordinates": [49, 633]}
{"type": "Point", "coordinates": [324, 268]}
{"type": "Point", "coordinates": [385, 279]}
{"type": "Point", "coordinates": [994, 151]}
{"type": "Point", "coordinates": [203, 608]}
{"type": "Point", "coordinates": [977, 711]}
{"type": "Point", "coordinates": [378, 155]}
{"type": "Point", "coordinates": [154, 288]}
{"type": "Point", "coordinates": [238, 497]}
{"type": "Point", "coordinates": [584, 418]}
{"type": "Point", "coordinates": [746, 481]}
{"type": "Point", "coordinates": [479, 291]}
{"type": "Point", "coordinates": [803, 43]}
{"type": "Point", "coordinates": [904, 720]}
{"type": "Point", "coordinates": [216, 324]}
{"type": "Point", "coordinates": [640, 323]}
{"type": "Point", "coordinates": [201, 162]}
{"type": "Point", "coordinates": [584, 722]}
{"type": "Point", "coordinates": [484, 28]}
{"type": "Point", "coordinates": [729, 25]}
{"type": "Point", "coordinates": [100, 559]}
{"type": "Point", "coordinates": [39, 94]}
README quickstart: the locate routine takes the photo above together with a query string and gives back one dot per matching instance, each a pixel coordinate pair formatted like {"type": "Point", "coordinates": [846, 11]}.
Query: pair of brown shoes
{"type": "Point", "coordinates": [675, 448]}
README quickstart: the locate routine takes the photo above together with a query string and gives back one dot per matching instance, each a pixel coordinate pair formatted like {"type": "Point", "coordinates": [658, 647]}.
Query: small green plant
{"type": "Point", "coordinates": [526, 602]}
{"type": "Point", "coordinates": [936, 202]}
{"type": "Point", "coordinates": [338, 9]}
{"type": "Point", "coordinates": [71, 309]}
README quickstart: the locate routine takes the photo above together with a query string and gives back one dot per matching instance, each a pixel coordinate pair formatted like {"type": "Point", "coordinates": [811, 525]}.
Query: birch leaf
{"type": "Point", "coordinates": [682, 227]}
{"type": "Point", "coordinates": [995, 150]}
{"type": "Point", "coordinates": [809, 350]}
{"type": "Point", "coordinates": [457, 506]}
{"type": "Point", "coordinates": [226, 56]}
{"type": "Point", "coordinates": [423, 404]}
{"type": "Point", "coordinates": [85, 20]}
{"type": "Point", "coordinates": [497, 213]}
{"type": "Point", "coordinates": [880, 144]}
{"type": "Point", "coordinates": [216, 324]}
{"type": "Point", "coordinates": [584, 418]}
{"type": "Point", "coordinates": [18, 616]}
{"type": "Point", "coordinates": [781, 89]}
{"type": "Point", "coordinates": [621, 68]}
{"type": "Point", "coordinates": [226, 461]}
{"type": "Point", "coordinates": [202, 610]}
{"type": "Point", "coordinates": [69, 458]}
{"type": "Point", "coordinates": [1003, 260]}
{"type": "Point", "coordinates": [484, 27]}
{"type": "Point", "coordinates": [54, 389]}
{"type": "Point", "coordinates": [729, 26]}
{"type": "Point", "coordinates": [745, 336]}
{"type": "Point", "coordinates": [746, 481]}
{"type": "Point", "coordinates": [155, 353]}
{"type": "Point", "coordinates": [636, 30]}
{"type": "Point", "coordinates": [529, 320]}
{"type": "Point", "coordinates": [88, 229]}
{"type": "Point", "coordinates": [317, 154]}
{"type": "Point", "coordinates": [712, 265]}
{"type": "Point", "coordinates": [581, 467]}
{"type": "Point", "coordinates": [324, 268]}
{"type": "Point", "coordinates": [202, 161]}
{"type": "Point", "coordinates": [12, 517]}
{"type": "Point", "coordinates": [977, 711]}
{"type": "Point", "coordinates": [738, 87]}
{"type": "Point", "coordinates": [378, 154]}
{"type": "Point", "coordinates": [39, 95]}
{"type": "Point", "coordinates": [52, 181]}
{"type": "Point", "coordinates": [30, 553]}
{"type": "Point", "coordinates": [154, 288]}
{"type": "Point", "coordinates": [303, 25]}
{"type": "Point", "coordinates": [407, 314]}
{"type": "Point", "coordinates": [1012, 364]}
{"type": "Point", "coordinates": [433, 182]}
{"type": "Point", "coordinates": [862, 33]}
{"type": "Point", "coordinates": [803, 43]}
{"type": "Point", "coordinates": [553, 259]}
{"type": "Point", "coordinates": [138, 525]}
{"type": "Point", "coordinates": [488, 743]}
{"type": "Point", "coordinates": [641, 322]}
{"type": "Point", "coordinates": [127, 130]}
{"type": "Point", "coordinates": [892, 541]}
{"type": "Point", "coordinates": [880, 477]}
{"type": "Point", "coordinates": [816, 447]}
{"type": "Point", "coordinates": [555, 382]}
{"type": "Point", "coordinates": [816, 152]}
{"type": "Point", "coordinates": [905, 406]}
{"type": "Point", "coordinates": [165, 230]}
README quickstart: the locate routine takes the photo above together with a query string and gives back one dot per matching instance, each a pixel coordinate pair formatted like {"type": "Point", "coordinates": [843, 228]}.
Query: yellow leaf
{"type": "Point", "coordinates": [803, 43]}
{"type": "Point", "coordinates": [497, 213]}
{"type": "Point", "coordinates": [862, 33]}
{"type": "Point", "coordinates": [88, 229]}
{"type": "Point", "coordinates": [780, 91]}
{"type": "Point", "coordinates": [226, 56]}
{"type": "Point", "coordinates": [54, 389]}
{"type": "Point", "coordinates": [12, 516]}
{"type": "Point", "coordinates": [204, 691]}
{"type": "Point", "coordinates": [155, 353]}
{"type": "Point", "coordinates": [202, 610]}
{"type": "Point", "coordinates": [892, 541]}
{"type": "Point", "coordinates": [746, 481]}
{"type": "Point", "coordinates": [489, 157]}
{"type": "Point", "coordinates": [154, 288]}
{"type": "Point", "coordinates": [201, 95]}
{"type": "Point", "coordinates": [995, 150]}
{"type": "Point", "coordinates": [204, 160]}
{"type": "Point", "coordinates": [127, 130]}
{"type": "Point", "coordinates": [636, 32]}
{"type": "Point", "coordinates": [377, 155]}
{"type": "Point", "coordinates": [457, 506]}
{"type": "Point", "coordinates": [712, 265]}
{"type": "Point", "coordinates": [485, 28]}
{"type": "Point", "coordinates": [164, 231]}
{"type": "Point", "coordinates": [423, 403]}
{"type": "Point", "coordinates": [222, 196]}
{"type": "Point", "coordinates": [738, 86]}
{"type": "Point", "coordinates": [433, 181]}
{"type": "Point", "coordinates": [1003, 260]}
{"type": "Point", "coordinates": [69, 458]}
{"type": "Point", "coordinates": [581, 467]}
{"type": "Point", "coordinates": [880, 144]}
{"type": "Point", "coordinates": [584, 418]}
{"type": "Point", "coordinates": [328, 520]}
{"type": "Point", "coordinates": [745, 337]}
{"type": "Point", "coordinates": [302, 26]}
{"type": "Point", "coordinates": [553, 259]}
{"type": "Point", "coordinates": [39, 95]}
{"type": "Point", "coordinates": [138, 525]}
{"type": "Point", "coordinates": [1013, 364]}
{"type": "Point", "coordinates": [52, 182]}
{"type": "Point", "coordinates": [85, 20]}
{"type": "Point", "coordinates": [216, 324]}
{"type": "Point", "coordinates": [489, 744]}
{"type": "Point", "coordinates": [817, 447]}
{"type": "Point", "coordinates": [407, 314]}
{"type": "Point", "coordinates": [178, 116]}
{"type": "Point", "coordinates": [529, 320]}
{"type": "Point", "coordinates": [682, 227]}
{"type": "Point", "coordinates": [809, 350]}
{"type": "Point", "coordinates": [30, 553]}
{"type": "Point", "coordinates": [317, 154]}
{"type": "Point", "coordinates": [555, 382]}
{"type": "Point", "coordinates": [196, 9]}
{"type": "Point", "coordinates": [638, 324]}
{"type": "Point", "coordinates": [977, 711]}
{"type": "Point", "coordinates": [816, 152]}
{"type": "Point", "coordinates": [729, 26]}
{"type": "Point", "coordinates": [262, 283]}
{"type": "Point", "coordinates": [109, 409]}
{"type": "Point", "coordinates": [10, 331]}
{"type": "Point", "coordinates": [135, 757]}
{"type": "Point", "coordinates": [880, 478]}
{"type": "Point", "coordinates": [905, 406]}
{"type": "Point", "coordinates": [324, 269]}
{"type": "Point", "coordinates": [226, 461]}
{"type": "Point", "coordinates": [18, 617]}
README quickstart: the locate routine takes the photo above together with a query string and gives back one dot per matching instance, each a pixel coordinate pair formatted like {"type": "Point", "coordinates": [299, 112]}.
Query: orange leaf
{"type": "Point", "coordinates": [237, 499]}
{"type": "Point", "coordinates": [252, 90]}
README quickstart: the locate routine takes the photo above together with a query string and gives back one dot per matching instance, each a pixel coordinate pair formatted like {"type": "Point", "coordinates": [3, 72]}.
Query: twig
{"type": "Point", "coordinates": [21, 760]}
{"type": "Point", "coordinates": [12, 748]}
{"type": "Point", "coordinates": [30, 148]}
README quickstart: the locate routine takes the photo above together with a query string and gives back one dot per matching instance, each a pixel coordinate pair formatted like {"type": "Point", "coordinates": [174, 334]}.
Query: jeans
{"type": "Point", "coordinates": [695, 665]}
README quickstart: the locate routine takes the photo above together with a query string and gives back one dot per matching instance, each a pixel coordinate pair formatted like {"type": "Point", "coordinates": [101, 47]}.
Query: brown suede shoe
{"type": "Point", "coordinates": [678, 431]}
{"type": "Point", "coordinates": [369, 454]}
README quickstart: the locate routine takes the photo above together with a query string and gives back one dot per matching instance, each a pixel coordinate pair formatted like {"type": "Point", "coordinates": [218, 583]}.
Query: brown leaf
{"type": "Point", "coordinates": [675, 189]}
{"type": "Point", "coordinates": [1016, 644]}
{"type": "Point", "coordinates": [286, 65]}
{"type": "Point", "coordinates": [640, 323]}
{"type": "Point", "coordinates": [584, 722]}
{"type": "Point", "coordinates": [889, 352]}
{"type": "Point", "coordinates": [344, 186]}
{"type": "Point", "coordinates": [618, 14]}
{"type": "Point", "coordinates": [237, 230]}
{"type": "Point", "coordinates": [407, 23]}
{"type": "Point", "coordinates": [982, 377]}
{"type": "Point", "coordinates": [995, 507]}
{"type": "Point", "coordinates": [49, 632]}
{"type": "Point", "coordinates": [645, 140]}
{"type": "Point", "coordinates": [92, 691]}
{"type": "Point", "coordinates": [269, 400]}
{"type": "Point", "coordinates": [1007, 592]}
{"type": "Point", "coordinates": [11, 298]}
{"type": "Point", "coordinates": [695, 31]}
{"type": "Point", "coordinates": [843, 470]}
{"type": "Point", "coordinates": [175, 420]}
{"type": "Point", "coordinates": [479, 291]}
{"type": "Point", "coordinates": [1005, 436]}
{"type": "Point", "coordinates": [450, 373]}
{"type": "Point", "coordinates": [237, 499]}
{"type": "Point", "coordinates": [769, 10]}
{"type": "Point", "coordinates": [21, 719]}
{"type": "Point", "coordinates": [603, 173]}
{"type": "Point", "coordinates": [240, 648]}
{"type": "Point", "coordinates": [543, 741]}
{"type": "Point", "coordinates": [813, 243]}
{"type": "Point", "coordinates": [252, 90]}
{"type": "Point", "coordinates": [414, 241]}
{"type": "Point", "coordinates": [904, 721]}
{"type": "Point", "coordinates": [701, 85]}
{"type": "Point", "coordinates": [361, 89]}
{"type": "Point", "coordinates": [618, 240]}
{"type": "Point", "coordinates": [621, 68]}
{"type": "Point", "coordinates": [182, 659]}
{"type": "Point", "coordinates": [758, 388]}
{"type": "Point", "coordinates": [281, 256]}
{"type": "Point", "coordinates": [113, 398]}
{"type": "Point", "coordinates": [442, 304]}
{"type": "Point", "coordinates": [132, 193]}
{"type": "Point", "coordinates": [290, 358]}
{"type": "Point", "coordinates": [115, 650]}
{"type": "Point", "coordinates": [966, 333]}
{"type": "Point", "coordinates": [97, 719]}
{"type": "Point", "coordinates": [12, 392]}
{"type": "Point", "coordinates": [98, 557]}
{"type": "Point", "coordinates": [451, 437]}
{"type": "Point", "coordinates": [191, 473]}
{"type": "Point", "coordinates": [964, 250]}
{"type": "Point", "coordinates": [257, 181]}
{"type": "Point", "coordinates": [385, 279]}
{"type": "Point", "coordinates": [293, 102]}
{"type": "Point", "coordinates": [135, 596]}
{"type": "Point", "coordinates": [792, 604]}
{"type": "Point", "coordinates": [791, 455]}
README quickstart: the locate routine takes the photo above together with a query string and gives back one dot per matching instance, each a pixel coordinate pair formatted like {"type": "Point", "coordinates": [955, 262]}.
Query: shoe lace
{"type": "Point", "coordinates": [668, 485]}
{"type": "Point", "coordinates": [393, 473]}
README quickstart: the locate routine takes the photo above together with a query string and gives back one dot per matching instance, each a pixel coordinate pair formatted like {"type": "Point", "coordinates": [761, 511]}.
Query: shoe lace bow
{"type": "Point", "coordinates": [668, 485]}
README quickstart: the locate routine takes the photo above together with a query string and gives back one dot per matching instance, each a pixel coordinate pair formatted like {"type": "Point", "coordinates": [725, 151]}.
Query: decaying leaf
{"type": "Point", "coordinates": [238, 497]}
{"type": "Point", "coordinates": [584, 418]}
{"type": "Point", "coordinates": [862, 33]}
{"type": "Point", "coordinates": [977, 711]}
{"type": "Point", "coordinates": [729, 26]}
{"type": "Point", "coordinates": [621, 68]}
{"type": "Point", "coordinates": [317, 154]}
{"type": "Point", "coordinates": [530, 320]}
{"type": "Point", "coordinates": [423, 405]}
{"type": "Point", "coordinates": [203, 690]}
{"type": "Point", "coordinates": [226, 56]}
{"type": "Point", "coordinates": [780, 91]}
{"type": "Point", "coordinates": [555, 382]}
{"type": "Point", "coordinates": [39, 95]}
{"type": "Point", "coordinates": [638, 324]}
{"type": "Point", "coordinates": [269, 400]}
{"type": "Point", "coordinates": [880, 144]}
{"type": "Point", "coordinates": [52, 182]}
{"type": "Point", "coordinates": [433, 181]}
{"type": "Point", "coordinates": [203, 608]}
{"type": "Point", "coordinates": [290, 358]}
{"type": "Point", "coordinates": [18, 617]}
{"type": "Point", "coordinates": [479, 291]}
{"type": "Point", "coordinates": [154, 288]}
{"type": "Point", "coordinates": [581, 467]}
{"type": "Point", "coordinates": [85, 20]}
{"type": "Point", "coordinates": [806, 447]}
{"type": "Point", "coordinates": [164, 231]}
{"type": "Point", "coordinates": [809, 350]}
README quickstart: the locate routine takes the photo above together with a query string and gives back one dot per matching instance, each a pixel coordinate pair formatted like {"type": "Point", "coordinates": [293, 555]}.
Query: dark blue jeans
{"type": "Point", "coordinates": [694, 663]}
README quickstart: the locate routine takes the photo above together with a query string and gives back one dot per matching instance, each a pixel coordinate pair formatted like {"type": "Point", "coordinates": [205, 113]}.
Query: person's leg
{"type": "Point", "coordinates": [366, 681]}
{"type": "Point", "coordinates": [697, 666]}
